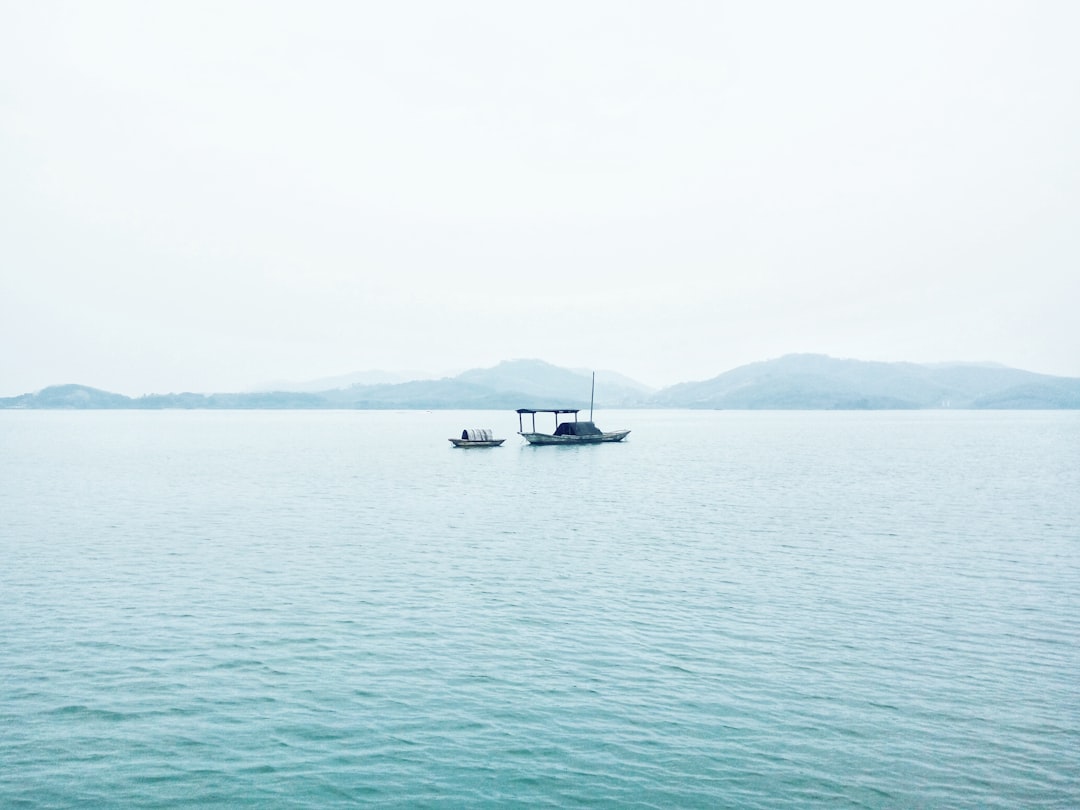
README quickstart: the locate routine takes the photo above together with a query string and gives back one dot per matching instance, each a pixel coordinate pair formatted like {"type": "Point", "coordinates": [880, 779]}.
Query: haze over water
{"type": "Point", "coordinates": [752, 609]}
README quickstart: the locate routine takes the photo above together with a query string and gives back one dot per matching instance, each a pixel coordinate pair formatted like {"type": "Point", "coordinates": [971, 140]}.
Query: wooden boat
{"type": "Point", "coordinates": [477, 437]}
{"type": "Point", "coordinates": [576, 432]}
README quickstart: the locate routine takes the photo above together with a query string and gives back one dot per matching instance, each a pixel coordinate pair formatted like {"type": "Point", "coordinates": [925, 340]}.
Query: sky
{"type": "Point", "coordinates": [203, 196]}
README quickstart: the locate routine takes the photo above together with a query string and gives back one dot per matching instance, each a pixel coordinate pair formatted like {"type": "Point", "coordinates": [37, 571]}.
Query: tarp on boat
{"type": "Point", "coordinates": [578, 429]}
{"type": "Point", "coordinates": [477, 435]}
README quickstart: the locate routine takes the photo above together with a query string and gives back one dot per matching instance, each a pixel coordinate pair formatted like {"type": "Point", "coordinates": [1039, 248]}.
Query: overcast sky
{"type": "Point", "coordinates": [208, 195]}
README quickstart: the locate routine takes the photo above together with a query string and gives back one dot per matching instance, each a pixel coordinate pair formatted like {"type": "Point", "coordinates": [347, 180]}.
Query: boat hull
{"type": "Point", "coordinates": [477, 442]}
{"type": "Point", "coordinates": [547, 438]}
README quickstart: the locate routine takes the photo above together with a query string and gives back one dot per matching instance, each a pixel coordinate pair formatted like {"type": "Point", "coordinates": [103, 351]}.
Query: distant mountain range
{"type": "Point", "coordinates": [817, 382]}
{"type": "Point", "coordinates": [796, 382]}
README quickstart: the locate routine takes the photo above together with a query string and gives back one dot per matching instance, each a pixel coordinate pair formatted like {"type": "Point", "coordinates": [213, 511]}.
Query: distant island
{"type": "Point", "coordinates": [792, 382]}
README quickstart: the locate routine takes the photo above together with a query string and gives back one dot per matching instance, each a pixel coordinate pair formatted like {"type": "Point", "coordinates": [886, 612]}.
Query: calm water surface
{"type": "Point", "coordinates": [320, 609]}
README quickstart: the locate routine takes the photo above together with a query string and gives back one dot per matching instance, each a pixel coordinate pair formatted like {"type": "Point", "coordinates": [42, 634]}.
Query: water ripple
{"type": "Point", "coordinates": [754, 610]}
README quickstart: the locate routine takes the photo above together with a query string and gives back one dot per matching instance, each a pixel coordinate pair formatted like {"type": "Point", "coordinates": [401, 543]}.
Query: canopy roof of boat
{"type": "Point", "coordinates": [549, 410]}
{"type": "Point", "coordinates": [576, 428]}
{"type": "Point", "coordinates": [477, 435]}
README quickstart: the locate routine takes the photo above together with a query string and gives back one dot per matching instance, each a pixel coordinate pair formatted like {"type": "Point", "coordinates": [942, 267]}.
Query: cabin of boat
{"type": "Point", "coordinates": [477, 437]}
{"type": "Point", "coordinates": [567, 432]}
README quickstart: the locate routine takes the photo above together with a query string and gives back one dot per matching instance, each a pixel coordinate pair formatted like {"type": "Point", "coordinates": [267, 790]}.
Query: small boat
{"type": "Point", "coordinates": [477, 437]}
{"type": "Point", "coordinates": [576, 432]}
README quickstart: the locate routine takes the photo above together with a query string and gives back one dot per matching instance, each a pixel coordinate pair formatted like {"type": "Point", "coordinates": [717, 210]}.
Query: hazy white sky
{"type": "Point", "coordinates": [206, 195]}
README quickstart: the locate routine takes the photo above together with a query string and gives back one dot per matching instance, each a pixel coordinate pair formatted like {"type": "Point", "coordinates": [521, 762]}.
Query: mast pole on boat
{"type": "Point", "coordinates": [592, 395]}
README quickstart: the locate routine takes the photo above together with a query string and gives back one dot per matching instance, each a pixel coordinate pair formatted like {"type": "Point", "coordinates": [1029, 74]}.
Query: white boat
{"type": "Point", "coordinates": [477, 437]}
{"type": "Point", "coordinates": [575, 432]}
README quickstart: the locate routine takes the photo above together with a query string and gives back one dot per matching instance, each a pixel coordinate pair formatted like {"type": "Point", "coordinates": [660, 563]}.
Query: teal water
{"type": "Point", "coordinates": [331, 609]}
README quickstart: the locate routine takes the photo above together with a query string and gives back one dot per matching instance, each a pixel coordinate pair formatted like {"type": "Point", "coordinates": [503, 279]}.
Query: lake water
{"type": "Point", "coordinates": [731, 609]}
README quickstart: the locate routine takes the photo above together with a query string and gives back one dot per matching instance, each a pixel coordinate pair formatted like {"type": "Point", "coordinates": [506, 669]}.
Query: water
{"type": "Point", "coordinates": [320, 609]}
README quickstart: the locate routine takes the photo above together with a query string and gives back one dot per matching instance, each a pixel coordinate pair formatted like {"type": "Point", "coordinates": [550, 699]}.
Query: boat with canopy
{"type": "Point", "coordinates": [567, 432]}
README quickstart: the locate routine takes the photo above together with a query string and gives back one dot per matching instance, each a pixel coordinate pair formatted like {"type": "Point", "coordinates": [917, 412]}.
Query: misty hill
{"type": "Point", "coordinates": [535, 380]}
{"type": "Point", "coordinates": [510, 385]}
{"type": "Point", "coordinates": [615, 381]}
{"type": "Point", "coordinates": [83, 397]}
{"type": "Point", "coordinates": [69, 396]}
{"type": "Point", "coordinates": [798, 381]}
{"type": "Point", "coordinates": [545, 385]}
{"type": "Point", "coordinates": [817, 382]}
